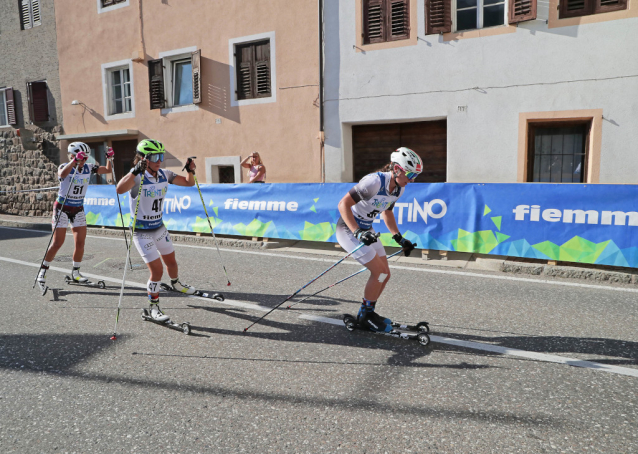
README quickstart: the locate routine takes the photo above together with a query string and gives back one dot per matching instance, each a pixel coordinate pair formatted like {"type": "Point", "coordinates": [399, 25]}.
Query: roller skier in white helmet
{"type": "Point", "coordinates": [375, 194]}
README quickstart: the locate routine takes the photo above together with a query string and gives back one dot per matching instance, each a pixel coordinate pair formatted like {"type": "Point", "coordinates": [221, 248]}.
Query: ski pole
{"type": "Point", "coordinates": [336, 283]}
{"type": "Point", "coordinates": [188, 161]}
{"type": "Point", "coordinates": [128, 258]}
{"type": "Point", "coordinates": [331, 267]}
{"type": "Point", "coordinates": [57, 220]}
{"type": "Point", "coordinates": [121, 215]}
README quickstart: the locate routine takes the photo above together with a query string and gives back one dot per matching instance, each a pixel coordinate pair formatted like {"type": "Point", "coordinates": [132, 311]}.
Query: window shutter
{"type": "Point", "coordinates": [521, 11]}
{"type": "Point", "coordinates": [575, 8]}
{"type": "Point", "coordinates": [245, 59]}
{"type": "Point", "coordinates": [107, 3]}
{"type": "Point", "coordinates": [398, 19]}
{"type": "Point", "coordinates": [197, 78]}
{"type": "Point", "coordinates": [35, 12]}
{"type": "Point", "coordinates": [374, 18]}
{"type": "Point", "coordinates": [156, 83]}
{"type": "Point", "coordinates": [39, 101]}
{"type": "Point", "coordinates": [262, 70]}
{"type": "Point", "coordinates": [11, 107]}
{"type": "Point", "coordinates": [25, 14]}
{"type": "Point", "coordinates": [438, 16]}
{"type": "Point", "coordinates": [605, 6]}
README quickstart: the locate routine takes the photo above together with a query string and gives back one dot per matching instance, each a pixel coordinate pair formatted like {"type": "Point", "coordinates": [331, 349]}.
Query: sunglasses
{"type": "Point", "coordinates": [155, 157]}
{"type": "Point", "coordinates": [409, 175]}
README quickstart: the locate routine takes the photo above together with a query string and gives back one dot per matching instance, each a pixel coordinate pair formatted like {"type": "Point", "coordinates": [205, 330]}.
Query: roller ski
{"type": "Point", "coordinates": [177, 286]}
{"type": "Point", "coordinates": [367, 319]}
{"type": "Point", "coordinates": [154, 314]}
{"type": "Point", "coordinates": [84, 282]}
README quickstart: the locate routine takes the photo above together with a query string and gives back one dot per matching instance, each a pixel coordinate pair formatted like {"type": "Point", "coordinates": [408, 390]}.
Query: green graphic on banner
{"type": "Point", "coordinates": [317, 232]}
{"type": "Point", "coordinates": [497, 221]}
{"type": "Point", "coordinates": [482, 241]}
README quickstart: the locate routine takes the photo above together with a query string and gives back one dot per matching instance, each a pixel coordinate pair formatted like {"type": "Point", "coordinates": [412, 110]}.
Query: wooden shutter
{"type": "Point", "coordinates": [398, 19]}
{"type": "Point", "coordinates": [156, 83]}
{"type": "Point", "coordinates": [521, 11]}
{"type": "Point", "coordinates": [245, 59]}
{"type": "Point", "coordinates": [262, 70]}
{"type": "Point", "coordinates": [25, 14]}
{"type": "Point", "coordinates": [197, 78]}
{"type": "Point", "coordinates": [38, 100]}
{"type": "Point", "coordinates": [438, 16]}
{"type": "Point", "coordinates": [606, 6]}
{"type": "Point", "coordinates": [11, 107]}
{"type": "Point", "coordinates": [575, 8]}
{"type": "Point", "coordinates": [374, 21]}
{"type": "Point", "coordinates": [35, 13]}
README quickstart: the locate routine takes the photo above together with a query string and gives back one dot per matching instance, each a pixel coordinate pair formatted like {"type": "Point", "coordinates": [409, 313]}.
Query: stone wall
{"type": "Point", "coordinates": [28, 168]}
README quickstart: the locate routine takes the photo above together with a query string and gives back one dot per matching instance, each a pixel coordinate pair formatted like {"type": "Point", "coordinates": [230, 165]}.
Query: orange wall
{"type": "Point", "coordinates": [284, 132]}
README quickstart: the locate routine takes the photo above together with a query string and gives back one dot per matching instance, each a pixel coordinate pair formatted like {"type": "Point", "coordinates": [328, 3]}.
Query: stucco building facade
{"type": "Point", "coordinates": [478, 91]}
{"type": "Point", "coordinates": [215, 80]}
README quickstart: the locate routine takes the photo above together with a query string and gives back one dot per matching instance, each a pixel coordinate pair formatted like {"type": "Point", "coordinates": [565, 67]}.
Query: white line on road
{"type": "Point", "coordinates": [507, 351]}
{"type": "Point", "coordinates": [398, 267]}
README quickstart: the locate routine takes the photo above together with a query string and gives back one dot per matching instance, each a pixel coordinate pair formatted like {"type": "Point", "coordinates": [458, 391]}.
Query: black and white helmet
{"type": "Point", "coordinates": [408, 160]}
{"type": "Point", "coordinates": [78, 146]}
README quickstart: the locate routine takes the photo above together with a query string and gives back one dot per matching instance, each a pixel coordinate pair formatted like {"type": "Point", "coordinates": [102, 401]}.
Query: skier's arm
{"type": "Point", "coordinates": [64, 171]}
{"type": "Point", "coordinates": [189, 180]}
{"type": "Point", "coordinates": [390, 221]}
{"type": "Point", "coordinates": [345, 209]}
{"type": "Point", "coordinates": [105, 169]}
{"type": "Point", "coordinates": [126, 183]}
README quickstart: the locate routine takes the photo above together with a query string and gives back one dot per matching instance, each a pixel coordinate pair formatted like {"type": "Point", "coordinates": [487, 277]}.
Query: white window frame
{"type": "Point", "coordinates": [107, 68]}
{"type": "Point", "coordinates": [168, 58]}
{"type": "Point", "coordinates": [232, 43]}
{"type": "Point", "coordinates": [6, 113]}
{"type": "Point", "coordinates": [101, 9]}
{"type": "Point", "coordinates": [213, 164]}
{"type": "Point", "coordinates": [479, 19]}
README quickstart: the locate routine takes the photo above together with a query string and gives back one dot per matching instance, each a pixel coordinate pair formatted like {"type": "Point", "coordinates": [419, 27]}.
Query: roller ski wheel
{"type": "Point", "coordinates": [405, 332]}
{"type": "Point", "coordinates": [99, 284]}
{"type": "Point", "coordinates": [212, 296]}
{"type": "Point", "coordinates": [183, 327]}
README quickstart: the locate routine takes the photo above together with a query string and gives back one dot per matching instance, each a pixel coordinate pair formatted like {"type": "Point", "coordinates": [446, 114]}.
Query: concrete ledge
{"type": "Point", "coordinates": [34, 225]}
{"type": "Point", "coordinates": [570, 272]}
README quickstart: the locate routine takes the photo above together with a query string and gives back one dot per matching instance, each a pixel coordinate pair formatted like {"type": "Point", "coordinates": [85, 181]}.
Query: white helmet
{"type": "Point", "coordinates": [78, 146]}
{"type": "Point", "coordinates": [407, 159]}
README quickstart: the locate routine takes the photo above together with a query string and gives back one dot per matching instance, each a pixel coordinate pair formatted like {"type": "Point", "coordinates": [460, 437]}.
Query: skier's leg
{"type": "Point", "coordinates": [165, 247]}
{"type": "Point", "coordinates": [79, 239]}
{"type": "Point", "coordinates": [152, 287]}
{"type": "Point", "coordinates": [58, 236]}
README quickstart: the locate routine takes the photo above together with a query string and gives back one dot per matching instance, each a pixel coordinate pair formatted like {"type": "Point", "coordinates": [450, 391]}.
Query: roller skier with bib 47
{"type": "Point", "coordinates": [377, 193]}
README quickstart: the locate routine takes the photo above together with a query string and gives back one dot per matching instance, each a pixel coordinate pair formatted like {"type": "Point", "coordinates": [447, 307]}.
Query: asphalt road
{"type": "Point", "coordinates": [499, 376]}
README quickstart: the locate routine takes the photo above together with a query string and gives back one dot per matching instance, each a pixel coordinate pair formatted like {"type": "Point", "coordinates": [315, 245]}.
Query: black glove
{"type": "Point", "coordinates": [365, 236]}
{"type": "Point", "coordinates": [140, 167]}
{"type": "Point", "coordinates": [187, 166]}
{"type": "Point", "coordinates": [406, 244]}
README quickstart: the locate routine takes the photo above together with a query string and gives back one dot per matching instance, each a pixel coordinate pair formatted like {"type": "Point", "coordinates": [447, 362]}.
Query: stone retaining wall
{"type": "Point", "coordinates": [32, 168]}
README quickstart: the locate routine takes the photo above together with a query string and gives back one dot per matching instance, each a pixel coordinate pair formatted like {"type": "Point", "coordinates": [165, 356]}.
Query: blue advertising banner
{"type": "Point", "coordinates": [566, 222]}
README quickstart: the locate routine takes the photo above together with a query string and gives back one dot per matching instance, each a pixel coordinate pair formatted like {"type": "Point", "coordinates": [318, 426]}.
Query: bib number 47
{"type": "Point", "coordinates": [157, 205]}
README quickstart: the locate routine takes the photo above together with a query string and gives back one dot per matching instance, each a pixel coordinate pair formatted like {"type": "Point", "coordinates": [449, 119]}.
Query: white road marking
{"type": "Point", "coordinates": [443, 340]}
{"type": "Point", "coordinates": [507, 351]}
{"type": "Point", "coordinates": [97, 277]}
{"type": "Point", "coordinates": [398, 267]}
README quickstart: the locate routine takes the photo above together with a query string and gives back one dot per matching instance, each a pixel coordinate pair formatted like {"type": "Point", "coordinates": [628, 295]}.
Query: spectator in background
{"type": "Point", "coordinates": [257, 172]}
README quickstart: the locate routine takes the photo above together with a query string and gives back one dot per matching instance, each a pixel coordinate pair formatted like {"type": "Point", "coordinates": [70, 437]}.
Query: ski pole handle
{"type": "Point", "coordinates": [188, 164]}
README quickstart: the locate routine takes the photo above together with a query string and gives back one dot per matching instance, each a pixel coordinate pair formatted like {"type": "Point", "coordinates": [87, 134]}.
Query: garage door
{"type": "Point", "coordinates": [372, 145]}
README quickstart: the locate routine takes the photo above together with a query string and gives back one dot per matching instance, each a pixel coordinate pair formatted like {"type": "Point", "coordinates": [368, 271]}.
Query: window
{"type": "Point", "coordinates": [30, 14]}
{"type": "Point", "coordinates": [38, 95]}
{"type": "Point", "coordinates": [120, 95]}
{"type": "Point", "coordinates": [226, 174]}
{"type": "Point", "coordinates": [253, 74]}
{"type": "Point", "coordinates": [385, 20]}
{"type": "Point", "coordinates": [7, 107]}
{"type": "Point", "coordinates": [97, 157]}
{"type": "Point", "coordinates": [175, 80]}
{"type": "Point", "coordinates": [557, 152]}
{"type": "Point", "coordinates": [118, 90]}
{"type": "Point", "coordinates": [110, 5]}
{"type": "Point", "coordinates": [577, 8]}
{"type": "Point", "coordinates": [473, 14]}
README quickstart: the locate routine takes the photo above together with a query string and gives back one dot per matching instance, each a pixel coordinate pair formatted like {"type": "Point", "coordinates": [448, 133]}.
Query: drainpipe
{"type": "Point", "coordinates": [321, 125]}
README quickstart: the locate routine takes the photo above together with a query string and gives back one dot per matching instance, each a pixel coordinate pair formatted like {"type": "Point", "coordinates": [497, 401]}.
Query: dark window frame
{"type": "Point", "coordinates": [107, 3]}
{"type": "Point", "coordinates": [38, 100]}
{"type": "Point", "coordinates": [533, 126]}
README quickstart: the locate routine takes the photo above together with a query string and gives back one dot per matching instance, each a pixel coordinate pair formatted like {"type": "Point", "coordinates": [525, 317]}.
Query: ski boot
{"type": "Point", "coordinates": [154, 314]}
{"type": "Point", "coordinates": [42, 283]}
{"type": "Point", "coordinates": [368, 318]}
{"type": "Point", "coordinates": [183, 288]}
{"type": "Point", "coordinates": [77, 279]}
